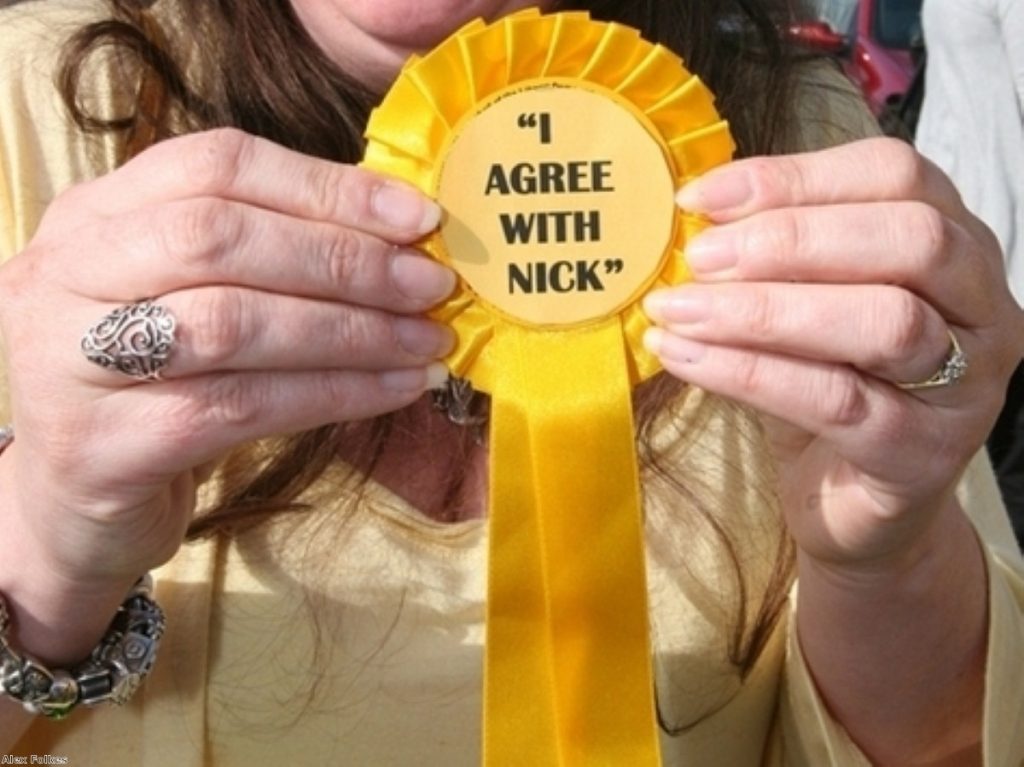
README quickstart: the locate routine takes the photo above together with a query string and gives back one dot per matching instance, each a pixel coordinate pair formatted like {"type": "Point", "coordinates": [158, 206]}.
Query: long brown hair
{"type": "Point", "coordinates": [262, 73]}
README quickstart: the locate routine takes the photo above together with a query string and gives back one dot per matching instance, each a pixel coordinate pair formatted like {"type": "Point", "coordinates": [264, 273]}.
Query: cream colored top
{"type": "Point", "coordinates": [373, 656]}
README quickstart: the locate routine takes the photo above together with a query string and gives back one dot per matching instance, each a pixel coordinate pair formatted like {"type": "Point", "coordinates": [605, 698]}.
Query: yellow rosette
{"type": "Point", "coordinates": [554, 144]}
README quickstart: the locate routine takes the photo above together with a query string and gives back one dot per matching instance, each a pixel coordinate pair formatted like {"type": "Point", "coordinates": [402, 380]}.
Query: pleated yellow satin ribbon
{"type": "Point", "coordinates": [568, 676]}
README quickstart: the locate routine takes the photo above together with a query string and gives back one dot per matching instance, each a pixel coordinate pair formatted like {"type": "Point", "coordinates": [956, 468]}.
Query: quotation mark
{"type": "Point", "coordinates": [531, 120]}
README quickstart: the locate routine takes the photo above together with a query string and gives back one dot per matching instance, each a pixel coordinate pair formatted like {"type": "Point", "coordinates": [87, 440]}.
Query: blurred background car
{"type": "Point", "coordinates": [878, 43]}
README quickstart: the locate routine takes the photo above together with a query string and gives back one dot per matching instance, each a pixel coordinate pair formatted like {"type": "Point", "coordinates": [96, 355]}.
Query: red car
{"type": "Point", "coordinates": [876, 40]}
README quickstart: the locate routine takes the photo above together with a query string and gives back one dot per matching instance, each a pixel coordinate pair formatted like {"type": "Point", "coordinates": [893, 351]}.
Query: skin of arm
{"type": "Point", "coordinates": [897, 650]}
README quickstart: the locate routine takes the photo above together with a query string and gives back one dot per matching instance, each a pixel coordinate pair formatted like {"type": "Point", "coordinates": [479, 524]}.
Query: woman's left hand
{"type": "Point", "coordinates": [831, 278]}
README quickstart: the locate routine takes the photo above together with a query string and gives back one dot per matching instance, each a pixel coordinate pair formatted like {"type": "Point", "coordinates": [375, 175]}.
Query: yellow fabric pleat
{"type": "Point", "coordinates": [568, 673]}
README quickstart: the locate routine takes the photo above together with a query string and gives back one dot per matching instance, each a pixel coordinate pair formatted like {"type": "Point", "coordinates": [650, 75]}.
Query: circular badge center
{"type": "Point", "coordinates": [558, 205]}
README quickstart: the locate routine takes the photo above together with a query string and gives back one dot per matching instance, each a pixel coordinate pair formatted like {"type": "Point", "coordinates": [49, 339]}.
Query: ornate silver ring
{"type": "Point", "coordinates": [952, 369]}
{"type": "Point", "coordinates": [136, 340]}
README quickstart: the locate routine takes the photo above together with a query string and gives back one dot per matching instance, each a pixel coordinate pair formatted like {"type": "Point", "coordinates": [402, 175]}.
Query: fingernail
{"type": "Point", "coordinates": [715, 192]}
{"type": "Point", "coordinates": [437, 375]}
{"type": "Point", "coordinates": [423, 338]}
{"type": "Point", "coordinates": [405, 208]}
{"type": "Point", "coordinates": [407, 380]}
{"type": "Point", "coordinates": [669, 347]}
{"type": "Point", "coordinates": [678, 306]}
{"type": "Point", "coordinates": [421, 278]}
{"type": "Point", "coordinates": [711, 251]}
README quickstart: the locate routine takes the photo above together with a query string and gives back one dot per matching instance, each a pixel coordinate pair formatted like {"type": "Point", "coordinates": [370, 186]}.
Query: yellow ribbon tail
{"type": "Point", "coordinates": [568, 677]}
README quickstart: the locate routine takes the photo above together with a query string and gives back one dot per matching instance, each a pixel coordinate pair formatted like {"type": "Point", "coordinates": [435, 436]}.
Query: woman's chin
{"type": "Point", "coordinates": [372, 39]}
{"type": "Point", "coordinates": [422, 24]}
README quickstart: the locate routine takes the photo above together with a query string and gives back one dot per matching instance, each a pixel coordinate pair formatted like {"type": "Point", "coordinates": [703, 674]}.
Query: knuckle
{"type": "Point", "coordinates": [216, 327]}
{"type": "Point", "coordinates": [786, 235]}
{"type": "Point", "coordinates": [332, 389]}
{"type": "Point", "coordinates": [341, 257]}
{"type": "Point", "coordinates": [904, 166]}
{"type": "Point", "coordinates": [198, 233]}
{"type": "Point", "coordinates": [358, 331]}
{"type": "Point", "coordinates": [326, 185]}
{"type": "Point", "coordinates": [759, 314]}
{"type": "Point", "coordinates": [775, 178]}
{"type": "Point", "coordinates": [229, 401]}
{"type": "Point", "coordinates": [841, 399]}
{"type": "Point", "coordinates": [904, 324]}
{"type": "Point", "coordinates": [930, 234]}
{"type": "Point", "coordinates": [214, 159]}
{"type": "Point", "coordinates": [749, 373]}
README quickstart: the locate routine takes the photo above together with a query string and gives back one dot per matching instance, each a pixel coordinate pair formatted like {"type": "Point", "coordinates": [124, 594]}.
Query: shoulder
{"type": "Point", "coordinates": [41, 152]}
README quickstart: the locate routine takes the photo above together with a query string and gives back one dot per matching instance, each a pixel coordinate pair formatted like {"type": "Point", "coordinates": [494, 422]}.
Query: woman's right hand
{"type": "Point", "coordinates": [298, 303]}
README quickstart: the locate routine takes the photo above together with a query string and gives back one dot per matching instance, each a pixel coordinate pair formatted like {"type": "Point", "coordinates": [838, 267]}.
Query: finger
{"type": "Point", "coordinates": [234, 329]}
{"type": "Point", "coordinates": [208, 241]}
{"type": "Point", "coordinates": [901, 243]}
{"type": "Point", "coordinates": [195, 420]}
{"type": "Point", "coordinates": [861, 417]}
{"type": "Point", "coordinates": [233, 165]}
{"type": "Point", "coordinates": [870, 170]}
{"type": "Point", "coordinates": [886, 331]}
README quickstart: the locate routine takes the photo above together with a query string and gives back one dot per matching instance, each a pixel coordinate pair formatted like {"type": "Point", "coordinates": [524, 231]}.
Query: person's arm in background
{"type": "Point", "coordinates": [1011, 25]}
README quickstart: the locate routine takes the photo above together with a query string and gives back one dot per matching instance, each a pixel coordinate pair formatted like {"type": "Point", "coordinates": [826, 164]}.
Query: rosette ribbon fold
{"type": "Point", "coordinates": [554, 144]}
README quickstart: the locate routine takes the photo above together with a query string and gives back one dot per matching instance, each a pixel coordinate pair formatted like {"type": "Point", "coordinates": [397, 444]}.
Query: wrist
{"type": "Point", "coordinates": [937, 583]}
{"type": "Point", "coordinates": [896, 645]}
{"type": "Point", "coordinates": [55, 621]}
{"type": "Point", "coordinates": [913, 547]}
{"type": "Point", "coordinates": [56, 616]}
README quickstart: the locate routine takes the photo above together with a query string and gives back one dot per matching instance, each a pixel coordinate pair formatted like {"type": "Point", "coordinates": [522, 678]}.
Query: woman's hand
{"type": "Point", "coordinates": [832, 277]}
{"type": "Point", "coordinates": [296, 298]}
